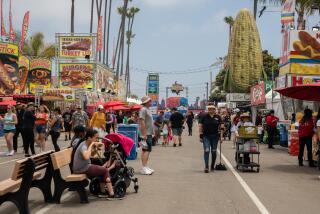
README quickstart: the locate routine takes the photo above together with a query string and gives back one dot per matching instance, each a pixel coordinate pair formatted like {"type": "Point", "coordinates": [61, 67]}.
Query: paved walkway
{"type": "Point", "coordinates": [179, 186]}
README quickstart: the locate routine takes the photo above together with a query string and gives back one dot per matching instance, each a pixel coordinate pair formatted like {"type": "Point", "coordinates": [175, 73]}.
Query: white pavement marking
{"type": "Point", "coordinates": [47, 208]}
{"type": "Point", "coordinates": [246, 187]}
{"type": "Point", "coordinates": [9, 161]}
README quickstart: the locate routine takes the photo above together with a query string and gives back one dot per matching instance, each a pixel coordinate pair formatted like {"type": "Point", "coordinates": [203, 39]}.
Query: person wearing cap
{"type": "Point", "coordinates": [146, 130]}
{"type": "Point", "coordinates": [271, 122]}
{"type": "Point", "coordinates": [210, 125]}
{"type": "Point", "coordinates": [20, 111]}
{"type": "Point", "coordinates": [28, 125]}
{"type": "Point", "coordinates": [79, 118]}
{"type": "Point", "coordinates": [98, 121]}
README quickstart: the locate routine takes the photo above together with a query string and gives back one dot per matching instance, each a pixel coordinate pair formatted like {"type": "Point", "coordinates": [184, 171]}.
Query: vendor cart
{"type": "Point", "coordinates": [247, 149]}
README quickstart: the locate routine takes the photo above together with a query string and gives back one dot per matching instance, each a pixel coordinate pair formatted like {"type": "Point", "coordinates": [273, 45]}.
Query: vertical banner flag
{"type": "Point", "coordinates": [12, 36]}
{"type": "Point", "coordinates": [99, 35]}
{"type": "Point", "coordinates": [3, 30]}
{"type": "Point", "coordinates": [287, 13]}
{"type": "Point", "coordinates": [287, 21]}
{"type": "Point", "coordinates": [25, 26]}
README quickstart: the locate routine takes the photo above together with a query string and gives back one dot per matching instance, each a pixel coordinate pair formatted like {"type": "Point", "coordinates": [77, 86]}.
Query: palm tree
{"type": "Point", "coordinates": [302, 7]}
{"type": "Point", "coordinates": [230, 21]}
{"type": "Point", "coordinates": [255, 8]}
{"type": "Point", "coordinates": [130, 14]}
{"type": "Point", "coordinates": [36, 47]}
{"type": "Point", "coordinates": [72, 16]}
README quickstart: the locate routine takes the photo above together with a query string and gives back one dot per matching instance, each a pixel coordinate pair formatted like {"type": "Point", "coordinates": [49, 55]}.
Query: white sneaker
{"type": "Point", "coordinates": [10, 153]}
{"type": "Point", "coordinates": [145, 171]}
{"type": "Point", "coordinates": [151, 170]}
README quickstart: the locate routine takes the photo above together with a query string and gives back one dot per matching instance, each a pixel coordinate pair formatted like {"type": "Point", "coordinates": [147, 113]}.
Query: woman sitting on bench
{"type": "Point", "coordinates": [82, 163]}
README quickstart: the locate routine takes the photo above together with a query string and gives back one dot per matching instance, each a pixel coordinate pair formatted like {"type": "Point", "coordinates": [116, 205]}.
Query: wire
{"type": "Point", "coordinates": [181, 72]}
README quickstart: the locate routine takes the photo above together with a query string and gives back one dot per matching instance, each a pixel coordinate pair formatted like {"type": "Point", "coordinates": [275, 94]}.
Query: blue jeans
{"type": "Point", "coordinates": [210, 143]}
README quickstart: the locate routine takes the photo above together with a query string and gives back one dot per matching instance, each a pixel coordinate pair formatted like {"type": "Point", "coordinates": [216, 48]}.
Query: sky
{"type": "Point", "coordinates": [171, 35]}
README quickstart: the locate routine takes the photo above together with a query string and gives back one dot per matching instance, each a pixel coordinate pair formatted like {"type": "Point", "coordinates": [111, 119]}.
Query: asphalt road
{"type": "Point", "coordinates": [180, 186]}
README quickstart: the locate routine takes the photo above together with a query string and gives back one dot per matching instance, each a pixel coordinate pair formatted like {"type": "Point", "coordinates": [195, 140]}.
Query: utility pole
{"type": "Point", "coordinates": [210, 82]}
{"type": "Point", "coordinates": [207, 88]}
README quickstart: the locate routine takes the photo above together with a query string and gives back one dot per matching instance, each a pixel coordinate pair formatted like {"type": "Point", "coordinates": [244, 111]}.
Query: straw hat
{"type": "Point", "coordinates": [145, 100]}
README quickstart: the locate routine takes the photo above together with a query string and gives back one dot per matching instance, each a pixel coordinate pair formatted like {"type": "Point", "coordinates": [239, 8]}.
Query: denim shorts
{"type": "Point", "coordinates": [40, 129]}
{"type": "Point", "coordinates": [210, 142]}
{"type": "Point", "coordinates": [9, 131]}
{"type": "Point", "coordinates": [177, 131]}
{"type": "Point", "coordinates": [149, 144]}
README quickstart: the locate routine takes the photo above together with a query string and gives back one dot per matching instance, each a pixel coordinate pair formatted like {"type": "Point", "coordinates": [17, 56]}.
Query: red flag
{"type": "Point", "coordinates": [99, 35]}
{"type": "Point", "coordinates": [12, 36]}
{"type": "Point", "coordinates": [25, 26]}
{"type": "Point", "coordinates": [3, 30]}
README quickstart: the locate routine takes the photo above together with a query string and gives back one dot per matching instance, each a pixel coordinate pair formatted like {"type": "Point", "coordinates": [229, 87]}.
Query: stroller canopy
{"type": "Point", "coordinates": [126, 142]}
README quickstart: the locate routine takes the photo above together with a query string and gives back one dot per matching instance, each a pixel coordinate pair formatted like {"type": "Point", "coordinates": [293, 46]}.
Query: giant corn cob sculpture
{"type": "Point", "coordinates": [245, 64]}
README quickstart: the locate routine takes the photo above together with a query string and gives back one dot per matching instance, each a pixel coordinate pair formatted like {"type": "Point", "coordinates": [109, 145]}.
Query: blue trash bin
{"type": "Point", "coordinates": [283, 135]}
{"type": "Point", "coordinates": [130, 131]}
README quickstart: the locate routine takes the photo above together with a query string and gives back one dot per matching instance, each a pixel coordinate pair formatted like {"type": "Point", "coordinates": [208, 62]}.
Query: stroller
{"type": "Point", "coordinates": [117, 149]}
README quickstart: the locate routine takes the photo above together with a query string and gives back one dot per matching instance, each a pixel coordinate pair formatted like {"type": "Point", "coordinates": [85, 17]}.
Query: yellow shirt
{"type": "Point", "coordinates": [98, 120]}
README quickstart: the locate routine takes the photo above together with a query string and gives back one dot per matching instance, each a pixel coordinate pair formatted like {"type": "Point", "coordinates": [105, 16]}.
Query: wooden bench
{"type": "Point", "coordinates": [73, 182]}
{"type": "Point", "coordinates": [43, 162]}
{"type": "Point", "coordinates": [21, 179]}
{"type": "Point", "coordinates": [26, 174]}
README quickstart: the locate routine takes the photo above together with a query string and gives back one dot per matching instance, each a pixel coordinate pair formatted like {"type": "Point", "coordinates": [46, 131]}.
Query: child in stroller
{"type": "Point", "coordinates": [117, 149]}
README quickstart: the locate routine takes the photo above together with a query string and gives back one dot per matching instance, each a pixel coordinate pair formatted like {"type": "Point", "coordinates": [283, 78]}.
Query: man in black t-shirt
{"type": "Point", "coordinates": [27, 130]}
{"type": "Point", "coordinates": [210, 125]}
{"type": "Point", "coordinates": [176, 124]}
{"type": "Point", "coordinates": [67, 123]}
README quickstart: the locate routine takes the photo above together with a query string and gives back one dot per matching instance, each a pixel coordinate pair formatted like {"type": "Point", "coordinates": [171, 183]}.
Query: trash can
{"type": "Point", "coordinates": [283, 135]}
{"type": "Point", "coordinates": [130, 131]}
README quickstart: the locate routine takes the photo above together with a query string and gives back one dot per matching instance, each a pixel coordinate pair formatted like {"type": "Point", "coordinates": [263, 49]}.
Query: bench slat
{"type": "Point", "coordinates": [18, 168]}
{"type": "Point", "coordinates": [76, 177]}
{"type": "Point", "coordinates": [61, 158]}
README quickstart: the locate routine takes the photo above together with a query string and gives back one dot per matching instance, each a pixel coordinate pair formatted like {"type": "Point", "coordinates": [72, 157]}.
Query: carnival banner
{"type": "Point", "coordinates": [11, 30]}
{"type": "Point", "coordinates": [76, 47]}
{"type": "Point", "coordinates": [9, 72]}
{"type": "Point", "coordinates": [104, 78]}
{"type": "Point", "coordinates": [3, 28]}
{"type": "Point", "coordinates": [76, 75]}
{"type": "Point", "coordinates": [58, 95]}
{"type": "Point", "coordinates": [287, 21]}
{"type": "Point", "coordinates": [40, 74]}
{"type": "Point", "coordinates": [99, 35]}
{"type": "Point", "coordinates": [24, 64]}
{"type": "Point", "coordinates": [24, 31]}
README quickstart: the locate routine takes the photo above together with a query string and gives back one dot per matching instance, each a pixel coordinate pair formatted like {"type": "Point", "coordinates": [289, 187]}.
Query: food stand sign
{"type": "Point", "coordinates": [176, 88]}
{"type": "Point", "coordinates": [295, 80]}
{"type": "Point", "coordinates": [304, 47]}
{"type": "Point", "coordinates": [258, 94]}
{"type": "Point", "coordinates": [58, 95]}
{"type": "Point", "coordinates": [153, 91]}
{"type": "Point", "coordinates": [24, 64]}
{"type": "Point", "coordinates": [9, 73]}
{"type": "Point", "coordinates": [40, 74]}
{"type": "Point", "coordinates": [104, 78]}
{"type": "Point", "coordinates": [76, 47]}
{"type": "Point", "coordinates": [76, 75]}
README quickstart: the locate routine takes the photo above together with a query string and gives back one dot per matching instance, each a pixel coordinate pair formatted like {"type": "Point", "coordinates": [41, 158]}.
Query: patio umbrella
{"type": "Point", "coordinates": [8, 103]}
{"type": "Point", "coordinates": [309, 92]}
{"type": "Point", "coordinates": [118, 108]}
{"type": "Point", "coordinates": [110, 104]}
{"type": "Point", "coordinates": [135, 107]}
